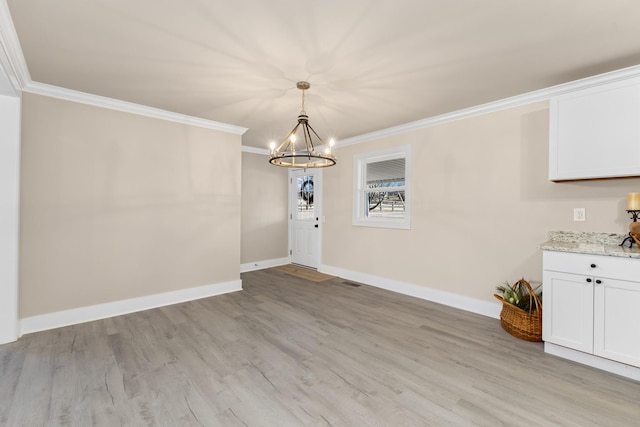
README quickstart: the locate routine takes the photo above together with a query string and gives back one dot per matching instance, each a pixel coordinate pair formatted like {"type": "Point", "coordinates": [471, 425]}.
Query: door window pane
{"type": "Point", "coordinates": [305, 209]}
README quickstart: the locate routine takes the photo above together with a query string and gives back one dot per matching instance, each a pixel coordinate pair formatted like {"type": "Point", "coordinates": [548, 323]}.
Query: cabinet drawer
{"type": "Point", "coordinates": [603, 266]}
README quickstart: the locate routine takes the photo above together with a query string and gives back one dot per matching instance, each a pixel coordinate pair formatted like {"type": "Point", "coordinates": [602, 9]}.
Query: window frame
{"type": "Point", "coordinates": [360, 161]}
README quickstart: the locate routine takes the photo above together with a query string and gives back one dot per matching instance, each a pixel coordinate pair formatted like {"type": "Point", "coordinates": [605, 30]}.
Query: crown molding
{"type": "Point", "coordinates": [255, 150]}
{"type": "Point", "coordinates": [12, 59]}
{"type": "Point", "coordinates": [503, 104]}
{"type": "Point", "coordinates": [128, 107]}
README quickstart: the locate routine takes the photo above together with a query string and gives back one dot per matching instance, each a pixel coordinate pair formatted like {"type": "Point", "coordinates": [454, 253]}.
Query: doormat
{"type": "Point", "coordinates": [303, 273]}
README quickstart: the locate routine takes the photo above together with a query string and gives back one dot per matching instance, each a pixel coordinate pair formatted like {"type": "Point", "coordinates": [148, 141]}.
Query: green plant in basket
{"type": "Point", "coordinates": [519, 294]}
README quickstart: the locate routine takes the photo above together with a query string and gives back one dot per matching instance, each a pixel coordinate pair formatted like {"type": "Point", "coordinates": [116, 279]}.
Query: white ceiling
{"type": "Point", "coordinates": [372, 64]}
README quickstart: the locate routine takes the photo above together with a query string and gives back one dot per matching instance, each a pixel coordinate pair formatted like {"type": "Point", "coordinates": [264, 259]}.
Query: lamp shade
{"type": "Point", "coordinates": [633, 202]}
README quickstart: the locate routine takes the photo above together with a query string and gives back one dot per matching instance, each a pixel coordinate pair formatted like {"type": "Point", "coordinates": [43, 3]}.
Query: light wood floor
{"type": "Point", "coordinates": [289, 352]}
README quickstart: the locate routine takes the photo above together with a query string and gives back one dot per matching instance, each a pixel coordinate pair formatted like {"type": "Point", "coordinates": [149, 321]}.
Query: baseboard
{"type": "Point", "coordinates": [102, 311]}
{"type": "Point", "coordinates": [259, 265]}
{"type": "Point", "coordinates": [473, 305]}
{"type": "Point", "coordinates": [593, 361]}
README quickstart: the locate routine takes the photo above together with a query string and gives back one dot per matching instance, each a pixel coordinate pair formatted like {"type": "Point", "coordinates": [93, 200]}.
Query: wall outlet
{"type": "Point", "coordinates": [579, 214]}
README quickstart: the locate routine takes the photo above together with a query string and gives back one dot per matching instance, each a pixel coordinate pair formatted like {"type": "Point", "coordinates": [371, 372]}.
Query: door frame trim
{"type": "Point", "coordinates": [10, 138]}
{"type": "Point", "coordinates": [318, 205]}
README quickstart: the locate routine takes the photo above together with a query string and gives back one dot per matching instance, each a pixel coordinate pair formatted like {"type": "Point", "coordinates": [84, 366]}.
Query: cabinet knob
{"type": "Point", "coordinates": [598, 281]}
{"type": "Point", "coordinates": [588, 280]}
{"type": "Point", "coordinates": [593, 266]}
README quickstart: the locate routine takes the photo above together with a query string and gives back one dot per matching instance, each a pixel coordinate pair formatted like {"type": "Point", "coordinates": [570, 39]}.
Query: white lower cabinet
{"type": "Point", "coordinates": [567, 310]}
{"type": "Point", "coordinates": [616, 321]}
{"type": "Point", "coordinates": [591, 303]}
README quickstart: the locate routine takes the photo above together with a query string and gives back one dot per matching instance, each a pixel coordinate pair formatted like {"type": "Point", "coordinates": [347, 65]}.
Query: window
{"type": "Point", "coordinates": [381, 196]}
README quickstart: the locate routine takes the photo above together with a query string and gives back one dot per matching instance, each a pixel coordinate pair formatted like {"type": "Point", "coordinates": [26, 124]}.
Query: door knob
{"type": "Point", "coordinates": [316, 226]}
{"type": "Point", "coordinates": [588, 280]}
{"type": "Point", "coordinates": [598, 281]}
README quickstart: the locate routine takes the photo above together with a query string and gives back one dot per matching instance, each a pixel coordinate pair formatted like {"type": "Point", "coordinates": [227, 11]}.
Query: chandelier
{"type": "Point", "coordinates": [287, 154]}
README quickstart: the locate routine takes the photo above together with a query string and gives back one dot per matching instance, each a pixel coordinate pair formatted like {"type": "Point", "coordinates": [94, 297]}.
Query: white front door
{"type": "Point", "coordinates": [304, 216]}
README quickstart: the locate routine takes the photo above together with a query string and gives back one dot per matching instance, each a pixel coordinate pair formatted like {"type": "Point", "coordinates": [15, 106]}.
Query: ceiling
{"type": "Point", "coordinates": [372, 64]}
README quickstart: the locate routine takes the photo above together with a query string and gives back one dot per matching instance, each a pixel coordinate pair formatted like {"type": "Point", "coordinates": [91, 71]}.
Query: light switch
{"type": "Point", "coordinates": [579, 214]}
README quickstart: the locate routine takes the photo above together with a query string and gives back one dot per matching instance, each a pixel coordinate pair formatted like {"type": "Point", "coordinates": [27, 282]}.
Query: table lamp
{"type": "Point", "coordinates": [633, 207]}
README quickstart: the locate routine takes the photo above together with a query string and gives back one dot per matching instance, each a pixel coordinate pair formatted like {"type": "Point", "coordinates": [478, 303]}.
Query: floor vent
{"type": "Point", "coordinates": [355, 285]}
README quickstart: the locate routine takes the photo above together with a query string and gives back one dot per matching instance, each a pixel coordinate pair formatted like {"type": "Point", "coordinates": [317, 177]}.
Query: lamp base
{"type": "Point", "coordinates": [630, 239]}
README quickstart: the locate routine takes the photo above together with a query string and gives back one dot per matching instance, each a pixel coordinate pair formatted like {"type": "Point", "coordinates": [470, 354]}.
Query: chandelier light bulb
{"type": "Point", "coordinates": [332, 142]}
{"type": "Point", "coordinates": [272, 145]}
{"type": "Point", "coordinates": [293, 138]}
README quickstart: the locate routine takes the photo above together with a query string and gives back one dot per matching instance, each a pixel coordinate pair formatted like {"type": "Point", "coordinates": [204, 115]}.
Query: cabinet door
{"type": "Point", "coordinates": [567, 310]}
{"type": "Point", "coordinates": [617, 320]}
{"type": "Point", "coordinates": [595, 132]}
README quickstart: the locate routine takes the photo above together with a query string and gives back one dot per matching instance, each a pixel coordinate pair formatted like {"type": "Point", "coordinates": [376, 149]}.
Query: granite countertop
{"type": "Point", "coordinates": [589, 243]}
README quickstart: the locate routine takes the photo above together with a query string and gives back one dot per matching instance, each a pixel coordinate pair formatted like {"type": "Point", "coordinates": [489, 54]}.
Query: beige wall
{"type": "Point", "coordinates": [117, 206]}
{"type": "Point", "coordinates": [264, 210]}
{"type": "Point", "coordinates": [481, 205]}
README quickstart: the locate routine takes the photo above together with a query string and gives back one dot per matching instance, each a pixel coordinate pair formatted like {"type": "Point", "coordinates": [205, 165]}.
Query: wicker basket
{"type": "Point", "coordinates": [523, 324]}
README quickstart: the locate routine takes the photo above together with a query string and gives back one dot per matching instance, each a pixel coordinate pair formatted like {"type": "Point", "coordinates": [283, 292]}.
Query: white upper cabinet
{"type": "Point", "coordinates": [595, 132]}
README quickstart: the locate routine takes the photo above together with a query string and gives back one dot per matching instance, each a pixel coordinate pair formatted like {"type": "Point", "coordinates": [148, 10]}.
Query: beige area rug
{"type": "Point", "coordinates": [304, 273]}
